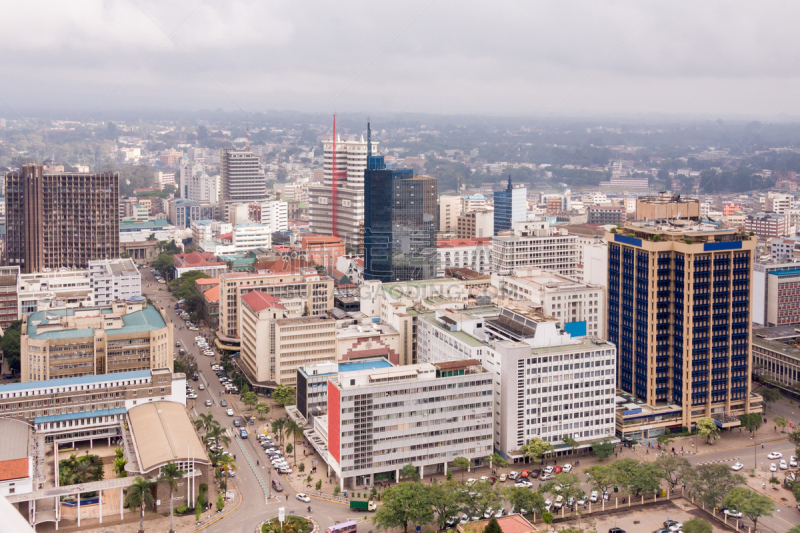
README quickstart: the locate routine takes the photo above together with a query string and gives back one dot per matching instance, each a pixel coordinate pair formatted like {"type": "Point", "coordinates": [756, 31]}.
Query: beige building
{"type": "Point", "coordinates": [475, 224]}
{"type": "Point", "coordinates": [667, 205]}
{"type": "Point", "coordinates": [122, 337]}
{"type": "Point", "coordinates": [302, 291]}
{"type": "Point", "coordinates": [449, 211]}
{"type": "Point", "coordinates": [274, 346]}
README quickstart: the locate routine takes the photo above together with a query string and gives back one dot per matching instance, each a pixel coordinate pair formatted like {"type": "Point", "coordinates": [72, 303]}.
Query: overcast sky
{"type": "Point", "coordinates": [531, 58]}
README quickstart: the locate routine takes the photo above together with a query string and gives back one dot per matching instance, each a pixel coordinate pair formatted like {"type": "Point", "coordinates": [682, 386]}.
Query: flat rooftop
{"type": "Point", "coordinates": [14, 444]}
{"type": "Point", "coordinates": [73, 382]}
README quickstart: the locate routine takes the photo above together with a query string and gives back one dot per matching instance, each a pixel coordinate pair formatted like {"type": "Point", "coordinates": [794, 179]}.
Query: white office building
{"type": "Point", "coordinates": [114, 279]}
{"type": "Point", "coordinates": [241, 178]}
{"type": "Point", "coordinates": [380, 420]}
{"type": "Point", "coordinates": [536, 245]}
{"type": "Point", "coordinates": [275, 214]}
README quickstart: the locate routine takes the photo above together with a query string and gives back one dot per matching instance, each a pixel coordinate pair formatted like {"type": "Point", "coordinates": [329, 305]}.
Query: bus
{"type": "Point", "coordinates": [344, 527]}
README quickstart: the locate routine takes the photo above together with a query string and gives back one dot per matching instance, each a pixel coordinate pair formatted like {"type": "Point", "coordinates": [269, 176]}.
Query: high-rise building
{"type": "Point", "coordinates": [510, 206]}
{"type": "Point", "coordinates": [449, 211]}
{"type": "Point", "coordinates": [60, 220]}
{"type": "Point", "coordinates": [476, 224]}
{"type": "Point", "coordinates": [537, 245]}
{"type": "Point", "coordinates": [241, 178]}
{"type": "Point", "coordinates": [351, 161]}
{"type": "Point", "coordinates": [680, 314]}
{"type": "Point", "coordinates": [399, 224]}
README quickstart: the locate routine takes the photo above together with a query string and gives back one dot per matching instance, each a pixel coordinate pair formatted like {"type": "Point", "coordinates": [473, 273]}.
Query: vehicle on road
{"type": "Point", "coordinates": [285, 471]}
{"type": "Point", "coordinates": [243, 433]}
{"type": "Point", "coordinates": [775, 455]}
{"type": "Point", "coordinates": [236, 423]}
{"type": "Point", "coordinates": [229, 412]}
{"type": "Point", "coordinates": [367, 506]}
{"type": "Point", "coordinates": [773, 467]}
{"type": "Point", "coordinates": [208, 403]}
{"type": "Point", "coordinates": [616, 530]}
{"type": "Point", "coordinates": [594, 496]}
{"type": "Point", "coordinates": [344, 527]}
{"type": "Point", "coordinates": [302, 497]}
{"type": "Point", "coordinates": [733, 513]}
{"type": "Point", "coordinates": [276, 486]}
{"type": "Point", "coordinates": [201, 387]}
{"type": "Point", "coordinates": [191, 396]}
{"type": "Point", "coordinates": [793, 461]}
{"type": "Point", "coordinates": [223, 403]}
{"type": "Point", "coordinates": [737, 466]}
{"type": "Point", "coordinates": [783, 464]}
{"type": "Point", "coordinates": [673, 525]}
{"type": "Point", "coordinates": [566, 468]}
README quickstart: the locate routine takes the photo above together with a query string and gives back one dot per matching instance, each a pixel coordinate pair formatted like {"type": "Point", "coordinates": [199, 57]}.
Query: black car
{"type": "Point", "coordinates": [223, 403]}
{"type": "Point", "coordinates": [670, 523]}
{"type": "Point", "coordinates": [616, 530]}
{"type": "Point", "coordinates": [195, 377]}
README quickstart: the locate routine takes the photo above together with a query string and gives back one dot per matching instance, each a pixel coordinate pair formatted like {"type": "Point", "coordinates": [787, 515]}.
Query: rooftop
{"type": "Point", "coordinates": [14, 469]}
{"type": "Point", "coordinates": [196, 259]}
{"type": "Point", "coordinates": [163, 433]}
{"type": "Point", "coordinates": [258, 301]}
{"type": "Point", "coordinates": [14, 444]}
{"type": "Point", "coordinates": [60, 323]}
{"type": "Point", "coordinates": [71, 382]}
{"type": "Point", "coordinates": [79, 416]}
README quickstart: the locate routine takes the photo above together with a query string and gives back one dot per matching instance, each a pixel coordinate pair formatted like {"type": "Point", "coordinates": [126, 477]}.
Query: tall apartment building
{"type": "Point", "coordinates": [679, 312]}
{"type": "Point", "coordinates": [9, 296]}
{"type": "Point", "coordinates": [606, 214]}
{"type": "Point", "coordinates": [400, 224]}
{"type": "Point", "coordinates": [60, 220]}
{"type": "Point", "coordinates": [776, 293]}
{"type": "Point", "coordinates": [302, 291]}
{"type": "Point", "coordinates": [536, 245]}
{"type": "Point", "coordinates": [778, 202]}
{"type": "Point", "coordinates": [351, 161]}
{"type": "Point", "coordinates": [380, 420]}
{"type": "Point", "coordinates": [273, 346]}
{"type": "Point", "coordinates": [449, 211]}
{"type": "Point", "coordinates": [476, 224]}
{"type": "Point", "coordinates": [547, 383]}
{"type": "Point", "coordinates": [767, 225]}
{"type": "Point", "coordinates": [275, 214]}
{"type": "Point", "coordinates": [510, 206]}
{"type": "Point", "coordinates": [241, 178]}
{"type": "Point", "coordinates": [114, 280]}
{"type": "Point", "coordinates": [123, 337]}
{"type": "Point", "coordinates": [580, 306]}
{"type": "Point", "coordinates": [58, 289]}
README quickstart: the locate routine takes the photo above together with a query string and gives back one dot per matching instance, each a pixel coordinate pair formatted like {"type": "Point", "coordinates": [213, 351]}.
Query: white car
{"type": "Point", "coordinates": [783, 464]}
{"type": "Point", "coordinates": [523, 484]}
{"type": "Point", "coordinates": [193, 328]}
{"type": "Point", "coordinates": [775, 455]}
{"type": "Point", "coordinates": [773, 467]}
{"type": "Point", "coordinates": [594, 496]}
{"type": "Point", "coordinates": [208, 403]}
{"type": "Point", "coordinates": [229, 412]}
{"type": "Point", "coordinates": [548, 470]}
{"type": "Point", "coordinates": [676, 527]}
{"type": "Point", "coordinates": [736, 467]}
{"type": "Point", "coordinates": [201, 387]}
{"type": "Point", "coordinates": [513, 475]}
{"type": "Point", "coordinates": [191, 396]}
{"type": "Point", "coordinates": [566, 468]}
{"type": "Point", "coordinates": [733, 513]}
{"type": "Point", "coordinates": [793, 461]}
{"type": "Point", "coordinates": [470, 482]}
{"type": "Point", "coordinates": [484, 478]}
{"type": "Point", "coordinates": [302, 497]}
{"type": "Point", "coordinates": [547, 505]}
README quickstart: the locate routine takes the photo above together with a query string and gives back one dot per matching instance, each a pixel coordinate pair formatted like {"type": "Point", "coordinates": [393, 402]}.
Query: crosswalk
{"type": "Point", "coordinates": [720, 461]}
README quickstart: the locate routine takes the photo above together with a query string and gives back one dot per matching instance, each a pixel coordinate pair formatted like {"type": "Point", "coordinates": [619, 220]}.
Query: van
{"type": "Point", "coordinates": [276, 486]}
{"type": "Point", "coordinates": [559, 503]}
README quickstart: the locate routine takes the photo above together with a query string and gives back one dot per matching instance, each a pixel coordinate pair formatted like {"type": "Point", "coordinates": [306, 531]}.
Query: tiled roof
{"type": "Point", "coordinates": [212, 295]}
{"type": "Point", "coordinates": [13, 469]}
{"type": "Point", "coordinates": [457, 243]}
{"type": "Point", "coordinates": [196, 259]}
{"type": "Point", "coordinates": [258, 301]}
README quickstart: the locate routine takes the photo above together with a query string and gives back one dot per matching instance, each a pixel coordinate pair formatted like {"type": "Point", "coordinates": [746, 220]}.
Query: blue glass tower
{"type": "Point", "coordinates": [509, 206]}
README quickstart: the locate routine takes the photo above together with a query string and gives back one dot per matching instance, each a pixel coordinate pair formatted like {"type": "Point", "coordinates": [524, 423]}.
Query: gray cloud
{"type": "Point", "coordinates": [706, 58]}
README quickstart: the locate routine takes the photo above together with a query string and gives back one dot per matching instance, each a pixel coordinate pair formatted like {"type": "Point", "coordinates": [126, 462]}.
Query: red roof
{"type": "Point", "coordinates": [212, 295]}
{"type": "Point", "coordinates": [207, 281]}
{"type": "Point", "coordinates": [457, 243]}
{"type": "Point", "coordinates": [196, 259]}
{"type": "Point", "coordinates": [258, 301]}
{"type": "Point", "coordinates": [321, 239]}
{"type": "Point", "coordinates": [226, 237]}
{"type": "Point", "coordinates": [13, 469]}
{"type": "Point", "coordinates": [360, 262]}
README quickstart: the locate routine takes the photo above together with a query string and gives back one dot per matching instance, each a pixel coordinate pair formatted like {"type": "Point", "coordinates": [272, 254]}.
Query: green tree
{"type": "Point", "coordinates": [665, 439]}
{"type": "Point", "coordinates": [11, 345]}
{"type": "Point", "coordinates": [119, 466]}
{"type": "Point", "coordinates": [794, 438]}
{"type": "Point", "coordinates": [673, 469]}
{"type": "Point", "coordinates": [284, 395]}
{"type": "Point", "coordinates": [446, 501]}
{"type": "Point", "coordinates": [708, 429]}
{"type": "Point", "coordinates": [463, 463]}
{"type": "Point", "coordinates": [572, 443]}
{"type": "Point", "coordinates": [770, 395]}
{"type": "Point", "coordinates": [547, 518]}
{"type": "Point", "coordinates": [293, 430]}
{"type": "Point", "coordinates": [492, 526]}
{"type": "Point", "coordinates": [566, 484]}
{"type": "Point", "coordinates": [781, 421]}
{"type": "Point", "coordinates": [404, 503]}
{"type": "Point", "coordinates": [262, 408]}
{"type": "Point", "coordinates": [603, 449]}
{"type": "Point", "coordinates": [119, 452]}
{"type": "Point", "coordinates": [220, 502]}
{"type": "Point", "coordinates": [536, 449]}
{"type": "Point", "coordinates": [277, 428]}
{"type": "Point", "coordinates": [751, 422]}
{"type": "Point", "coordinates": [205, 421]}
{"type": "Point", "coordinates": [497, 461]}
{"type": "Point", "coordinates": [483, 495]}
{"type": "Point", "coordinates": [601, 477]}
{"type": "Point", "coordinates": [697, 525]}
{"type": "Point", "coordinates": [711, 483]}
{"type": "Point", "coordinates": [301, 467]}
{"type": "Point", "coordinates": [410, 471]}
{"type": "Point", "coordinates": [250, 399]}
{"type": "Point", "coordinates": [638, 478]}
{"type": "Point", "coordinates": [523, 498]}
{"type": "Point", "coordinates": [170, 474]}
{"type": "Point", "coordinates": [139, 495]}
{"type": "Point", "coordinates": [165, 264]}
{"type": "Point", "coordinates": [795, 529]}
{"type": "Point", "coordinates": [750, 503]}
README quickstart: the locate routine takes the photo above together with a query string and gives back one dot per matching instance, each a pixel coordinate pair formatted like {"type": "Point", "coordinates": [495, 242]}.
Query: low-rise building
{"type": "Point", "coordinates": [68, 343]}
{"type": "Point", "coordinates": [776, 355]}
{"type": "Point", "coordinates": [114, 279]}
{"type": "Point", "coordinates": [324, 250]}
{"type": "Point", "coordinates": [475, 224]}
{"type": "Point", "coordinates": [767, 225]}
{"type": "Point", "coordinates": [58, 289]}
{"type": "Point", "coordinates": [380, 420]}
{"type": "Point", "coordinates": [9, 296]}
{"type": "Point", "coordinates": [606, 214]}
{"type": "Point", "coordinates": [204, 262]}
{"type": "Point", "coordinates": [776, 293]}
{"type": "Point", "coordinates": [475, 254]}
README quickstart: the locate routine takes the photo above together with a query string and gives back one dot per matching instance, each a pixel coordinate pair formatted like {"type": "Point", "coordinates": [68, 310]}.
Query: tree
{"type": "Point", "coordinates": [409, 471]}
{"type": "Point", "coordinates": [301, 467]}
{"type": "Point", "coordinates": [769, 395]}
{"type": "Point", "coordinates": [139, 495]}
{"type": "Point", "coordinates": [496, 460]}
{"type": "Point", "coordinates": [710, 483]}
{"type": "Point", "coordinates": [601, 477]}
{"type": "Point", "coordinates": [781, 422]}
{"type": "Point", "coordinates": [523, 498]}
{"type": "Point", "coordinates": [284, 395]}
{"type": "Point", "coordinates": [11, 345]}
{"type": "Point", "coordinates": [483, 495]}
{"type": "Point", "coordinates": [795, 529]}
{"type": "Point", "coordinates": [603, 449]}
{"type": "Point", "coordinates": [463, 463]}
{"type": "Point", "coordinates": [673, 469]}
{"type": "Point", "coordinates": [536, 449]}
{"type": "Point", "coordinates": [794, 438]}
{"type": "Point", "coordinates": [250, 399]}
{"type": "Point", "coordinates": [708, 429]}
{"type": "Point", "coordinates": [567, 484]}
{"type": "Point", "coordinates": [205, 421]}
{"type": "Point", "coordinates": [492, 526]}
{"type": "Point", "coordinates": [697, 525]}
{"type": "Point", "coordinates": [164, 263]}
{"type": "Point", "coordinates": [665, 439]}
{"type": "Point", "coordinates": [750, 503]}
{"type": "Point", "coordinates": [638, 478]}
{"type": "Point", "coordinates": [277, 427]}
{"type": "Point", "coordinates": [547, 518]}
{"type": "Point", "coordinates": [170, 474]}
{"type": "Point", "coordinates": [446, 501]}
{"type": "Point", "coordinates": [294, 430]}
{"type": "Point", "coordinates": [751, 422]}
{"type": "Point", "coordinates": [572, 443]}
{"type": "Point", "coordinates": [404, 503]}
{"type": "Point", "coordinates": [119, 466]}
{"type": "Point", "coordinates": [217, 435]}
{"type": "Point", "coordinates": [262, 408]}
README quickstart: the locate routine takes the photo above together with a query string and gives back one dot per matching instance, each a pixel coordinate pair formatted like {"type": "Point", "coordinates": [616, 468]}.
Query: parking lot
{"type": "Point", "coordinates": [647, 520]}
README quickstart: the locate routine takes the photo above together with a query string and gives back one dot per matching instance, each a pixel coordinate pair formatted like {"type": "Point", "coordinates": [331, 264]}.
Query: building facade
{"type": "Point", "coordinates": [475, 254]}
{"type": "Point", "coordinates": [767, 225]}
{"type": "Point", "coordinates": [603, 214]}
{"type": "Point", "coordinates": [60, 220]}
{"type": "Point", "coordinates": [476, 225]}
{"type": "Point", "coordinates": [510, 206]}
{"type": "Point", "coordinates": [113, 280]}
{"type": "Point", "coordinates": [536, 245]}
{"type": "Point", "coordinates": [241, 179]}
{"type": "Point", "coordinates": [449, 211]}
{"type": "Point", "coordinates": [679, 312]}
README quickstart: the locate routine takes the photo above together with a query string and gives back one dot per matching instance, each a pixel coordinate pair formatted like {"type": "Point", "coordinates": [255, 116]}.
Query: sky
{"type": "Point", "coordinates": [510, 58]}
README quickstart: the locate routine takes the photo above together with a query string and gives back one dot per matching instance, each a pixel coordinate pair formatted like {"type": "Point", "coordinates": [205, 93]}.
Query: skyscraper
{"type": "Point", "coordinates": [679, 311]}
{"type": "Point", "coordinates": [241, 180]}
{"type": "Point", "coordinates": [399, 224]}
{"type": "Point", "coordinates": [63, 219]}
{"type": "Point", "coordinates": [351, 161]}
{"type": "Point", "coordinates": [510, 206]}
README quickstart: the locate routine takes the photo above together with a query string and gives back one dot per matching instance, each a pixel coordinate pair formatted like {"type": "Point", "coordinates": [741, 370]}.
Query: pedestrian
{"type": "Point", "coordinates": [287, 497]}
{"type": "Point", "coordinates": [762, 445]}
{"type": "Point", "coordinates": [648, 452]}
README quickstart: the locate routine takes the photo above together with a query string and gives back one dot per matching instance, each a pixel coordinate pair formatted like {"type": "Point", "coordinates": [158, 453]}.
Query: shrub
{"type": "Point", "coordinates": [319, 485]}
{"type": "Point", "coordinates": [336, 490]}
{"type": "Point", "coordinates": [181, 510]}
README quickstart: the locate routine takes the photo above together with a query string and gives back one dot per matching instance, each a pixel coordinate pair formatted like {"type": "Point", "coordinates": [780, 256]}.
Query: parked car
{"type": "Point", "coordinates": [567, 468]}
{"type": "Point", "coordinates": [737, 466]}
{"type": "Point", "coordinates": [773, 467]}
{"type": "Point", "coordinates": [793, 461]}
{"type": "Point", "coordinates": [208, 403]}
{"type": "Point", "coordinates": [595, 495]}
{"type": "Point", "coordinates": [503, 477]}
{"type": "Point", "coordinates": [547, 477]}
{"type": "Point", "coordinates": [783, 465]}
{"type": "Point", "coordinates": [733, 513]}
{"type": "Point", "coordinates": [775, 455]}
{"type": "Point", "coordinates": [535, 473]}
{"type": "Point", "coordinates": [548, 470]}
{"type": "Point", "coordinates": [201, 387]}
{"type": "Point", "coordinates": [229, 412]}
{"type": "Point", "coordinates": [513, 475]}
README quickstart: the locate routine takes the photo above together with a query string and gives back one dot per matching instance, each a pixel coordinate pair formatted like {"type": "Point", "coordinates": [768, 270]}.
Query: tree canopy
{"type": "Point", "coordinates": [536, 449]}
{"type": "Point", "coordinates": [750, 503]}
{"type": "Point", "coordinates": [10, 344]}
